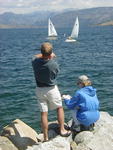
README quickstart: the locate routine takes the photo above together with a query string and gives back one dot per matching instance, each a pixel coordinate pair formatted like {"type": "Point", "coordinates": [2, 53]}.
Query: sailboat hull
{"type": "Point", "coordinates": [70, 40]}
{"type": "Point", "coordinates": [52, 37]}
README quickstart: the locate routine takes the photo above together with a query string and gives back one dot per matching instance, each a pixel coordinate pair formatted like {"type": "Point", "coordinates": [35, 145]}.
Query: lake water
{"type": "Point", "coordinates": [92, 55]}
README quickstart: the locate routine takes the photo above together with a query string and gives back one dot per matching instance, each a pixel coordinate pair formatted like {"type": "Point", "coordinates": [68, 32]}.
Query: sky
{"type": "Point", "coordinates": [28, 6]}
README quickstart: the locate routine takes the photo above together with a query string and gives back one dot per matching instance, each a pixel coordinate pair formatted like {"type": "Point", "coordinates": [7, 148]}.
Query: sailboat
{"type": "Point", "coordinates": [74, 33]}
{"type": "Point", "coordinates": [52, 34]}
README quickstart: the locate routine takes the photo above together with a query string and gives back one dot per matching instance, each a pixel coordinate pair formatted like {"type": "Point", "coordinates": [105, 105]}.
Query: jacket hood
{"type": "Point", "coordinates": [89, 90]}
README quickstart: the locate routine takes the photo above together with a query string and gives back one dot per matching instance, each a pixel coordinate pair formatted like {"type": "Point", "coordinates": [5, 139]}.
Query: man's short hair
{"type": "Point", "coordinates": [46, 49]}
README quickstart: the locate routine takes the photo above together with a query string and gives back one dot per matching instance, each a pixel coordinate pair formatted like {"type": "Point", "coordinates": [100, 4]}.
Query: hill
{"type": "Point", "coordinates": [110, 23]}
{"type": "Point", "coordinates": [92, 16]}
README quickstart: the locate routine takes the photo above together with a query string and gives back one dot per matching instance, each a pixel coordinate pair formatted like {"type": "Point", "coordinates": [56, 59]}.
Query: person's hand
{"type": "Point", "coordinates": [53, 55]}
{"type": "Point", "coordinates": [66, 97]}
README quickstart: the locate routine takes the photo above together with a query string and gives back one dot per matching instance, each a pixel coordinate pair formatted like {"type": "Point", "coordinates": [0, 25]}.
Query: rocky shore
{"type": "Point", "coordinates": [19, 136]}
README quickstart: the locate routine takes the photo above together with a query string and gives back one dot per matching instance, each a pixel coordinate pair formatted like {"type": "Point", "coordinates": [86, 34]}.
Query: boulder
{"type": "Point", "coordinates": [20, 134]}
{"type": "Point", "coordinates": [58, 143]}
{"type": "Point", "coordinates": [100, 139]}
{"type": "Point", "coordinates": [6, 144]}
{"type": "Point", "coordinates": [25, 138]}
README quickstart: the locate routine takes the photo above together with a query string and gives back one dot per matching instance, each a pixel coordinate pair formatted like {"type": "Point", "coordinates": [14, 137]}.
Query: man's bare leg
{"type": "Point", "coordinates": [44, 121]}
{"type": "Point", "coordinates": [60, 116]}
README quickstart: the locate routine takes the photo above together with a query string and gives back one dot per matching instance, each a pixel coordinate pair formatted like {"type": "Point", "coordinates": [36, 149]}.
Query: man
{"type": "Point", "coordinates": [45, 71]}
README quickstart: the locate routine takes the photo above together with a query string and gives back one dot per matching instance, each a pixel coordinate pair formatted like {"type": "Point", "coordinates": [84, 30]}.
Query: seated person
{"type": "Point", "coordinates": [84, 104]}
{"type": "Point", "coordinates": [69, 38]}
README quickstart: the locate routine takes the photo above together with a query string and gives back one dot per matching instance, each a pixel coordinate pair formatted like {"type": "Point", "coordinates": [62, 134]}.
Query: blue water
{"type": "Point", "coordinates": [92, 55]}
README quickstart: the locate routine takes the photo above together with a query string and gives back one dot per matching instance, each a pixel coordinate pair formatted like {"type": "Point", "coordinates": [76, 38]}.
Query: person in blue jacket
{"type": "Point", "coordinates": [84, 104]}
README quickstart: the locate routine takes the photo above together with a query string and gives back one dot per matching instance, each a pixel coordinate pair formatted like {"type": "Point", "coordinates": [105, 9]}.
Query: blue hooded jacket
{"type": "Point", "coordinates": [86, 102]}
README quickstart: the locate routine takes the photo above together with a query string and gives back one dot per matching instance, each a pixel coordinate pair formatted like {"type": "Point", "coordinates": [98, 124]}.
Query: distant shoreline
{"type": "Point", "coordinates": [110, 23]}
{"type": "Point", "coordinates": [19, 27]}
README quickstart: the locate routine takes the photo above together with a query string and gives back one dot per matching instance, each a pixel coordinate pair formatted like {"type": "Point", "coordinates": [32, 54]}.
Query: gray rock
{"type": "Point", "coordinates": [6, 144]}
{"type": "Point", "coordinates": [58, 143]}
{"type": "Point", "coordinates": [100, 139]}
{"type": "Point", "coordinates": [83, 137]}
{"type": "Point", "coordinates": [25, 138]}
{"type": "Point", "coordinates": [20, 134]}
{"type": "Point", "coordinates": [73, 145]}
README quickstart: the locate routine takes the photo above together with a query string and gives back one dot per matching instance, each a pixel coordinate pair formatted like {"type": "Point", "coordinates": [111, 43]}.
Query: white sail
{"type": "Point", "coordinates": [75, 30]}
{"type": "Point", "coordinates": [51, 29]}
{"type": "Point", "coordinates": [74, 33]}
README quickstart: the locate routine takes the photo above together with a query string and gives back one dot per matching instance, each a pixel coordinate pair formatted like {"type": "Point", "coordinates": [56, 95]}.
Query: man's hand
{"type": "Point", "coordinates": [52, 55]}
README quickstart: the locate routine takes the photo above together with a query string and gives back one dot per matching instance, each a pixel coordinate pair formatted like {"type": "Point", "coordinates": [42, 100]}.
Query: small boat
{"type": "Point", "coordinates": [74, 33]}
{"type": "Point", "coordinates": [52, 34]}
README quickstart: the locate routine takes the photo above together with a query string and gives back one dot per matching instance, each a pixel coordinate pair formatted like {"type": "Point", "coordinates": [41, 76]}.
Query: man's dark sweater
{"type": "Point", "coordinates": [45, 72]}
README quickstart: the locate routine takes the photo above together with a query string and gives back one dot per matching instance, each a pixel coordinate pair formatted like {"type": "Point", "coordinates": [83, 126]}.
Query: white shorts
{"type": "Point", "coordinates": [48, 98]}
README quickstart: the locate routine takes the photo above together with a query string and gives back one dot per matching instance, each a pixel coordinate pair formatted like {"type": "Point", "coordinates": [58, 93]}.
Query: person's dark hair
{"type": "Point", "coordinates": [46, 49]}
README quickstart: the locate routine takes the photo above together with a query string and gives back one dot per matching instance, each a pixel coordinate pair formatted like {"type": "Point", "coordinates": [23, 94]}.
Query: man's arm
{"type": "Point", "coordinates": [38, 55]}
